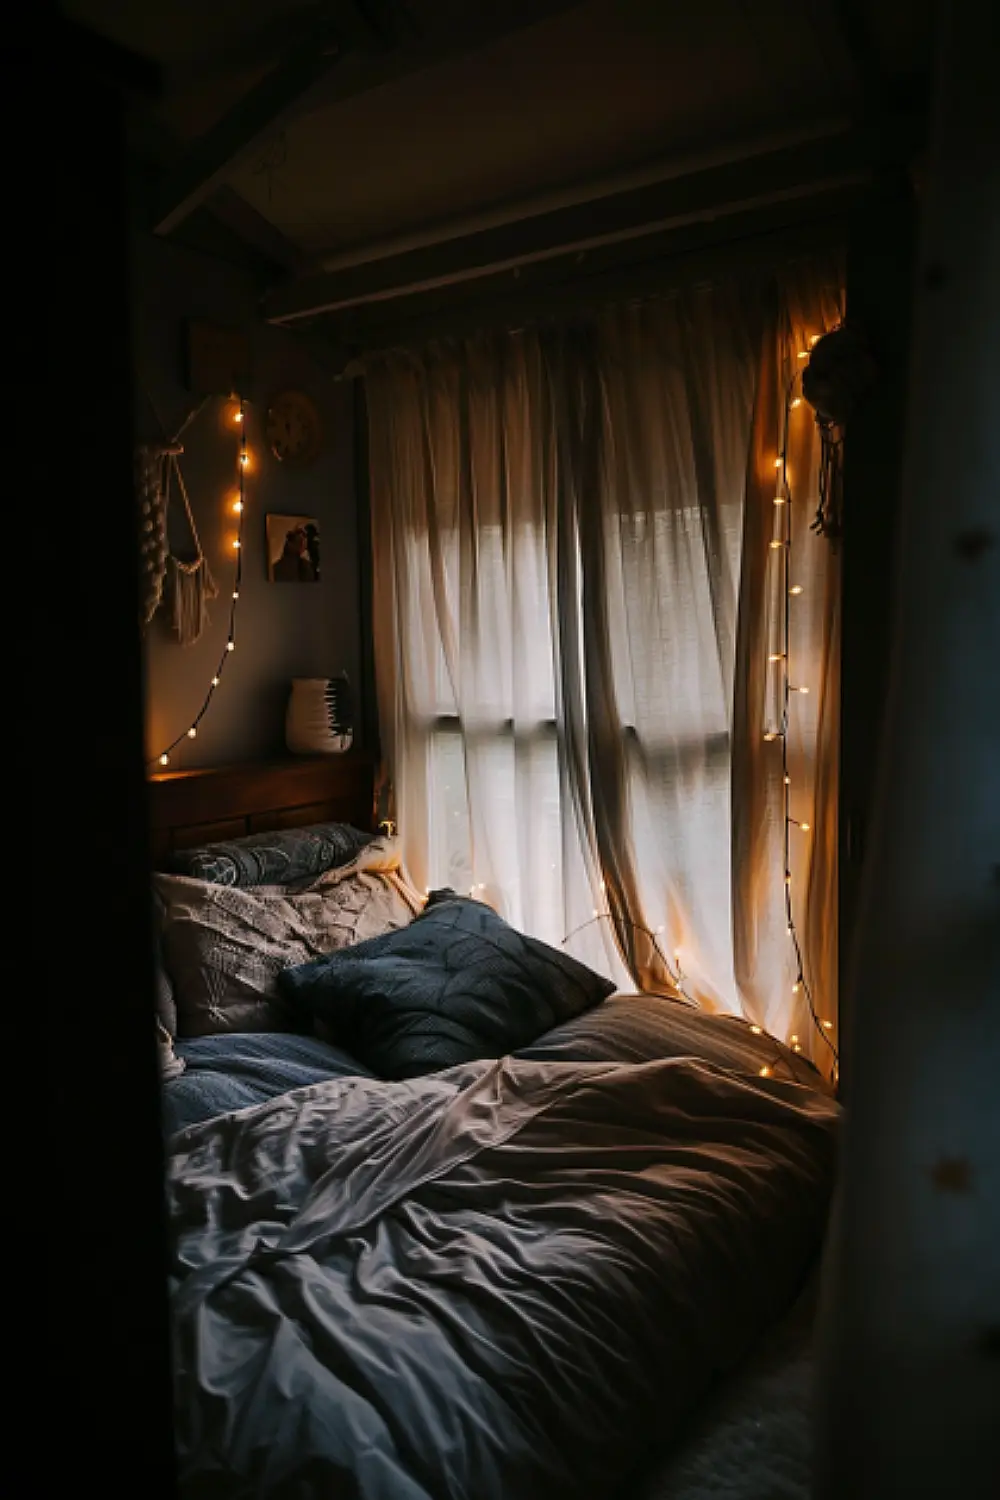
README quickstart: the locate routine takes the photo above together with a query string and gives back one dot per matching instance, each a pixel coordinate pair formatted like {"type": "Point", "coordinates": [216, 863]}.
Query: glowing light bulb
{"type": "Point", "coordinates": [797, 401]}
{"type": "Point", "coordinates": [795, 990]}
{"type": "Point", "coordinates": [804, 827]}
{"type": "Point", "coordinates": [796, 588]}
{"type": "Point", "coordinates": [802, 690]}
{"type": "Point", "coordinates": [230, 645]}
{"type": "Point", "coordinates": [793, 1039]}
{"type": "Point", "coordinates": [828, 1025]}
{"type": "Point", "coordinates": [779, 499]}
{"type": "Point", "coordinates": [776, 656]}
{"type": "Point", "coordinates": [778, 462]}
{"type": "Point", "coordinates": [796, 1047]}
{"type": "Point", "coordinates": [244, 459]}
{"type": "Point", "coordinates": [237, 506]}
{"type": "Point", "coordinates": [776, 543]}
{"type": "Point", "coordinates": [814, 341]}
{"type": "Point", "coordinates": [770, 736]}
{"type": "Point", "coordinates": [215, 682]}
{"type": "Point", "coordinates": [595, 912]}
{"type": "Point", "coordinates": [238, 416]}
{"type": "Point", "coordinates": [756, 1030]}
{"type": "Point", "coordinates": [788, 781]}
{"type": "Point", "coordinates": [236, 593]}
{"type": "Point", "coordinates": [236, 544]}
{"type": "Point", "coordinates": [788, 879]}
{"type": "Point", "coordinates": [765, 1071]}
{"type": "Point", "coordinates": [802, 354]}
{"type": "Point", "coordinates": [192, 732]}
{"type": "Point", "coordinates": [164, 760]}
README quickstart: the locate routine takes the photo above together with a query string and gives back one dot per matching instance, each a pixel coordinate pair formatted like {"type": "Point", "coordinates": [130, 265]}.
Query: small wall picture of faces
{"type": "Point", "coordinates": [292, 549]}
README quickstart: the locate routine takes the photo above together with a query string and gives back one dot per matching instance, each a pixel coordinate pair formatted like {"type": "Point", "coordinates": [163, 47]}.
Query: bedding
{"type": "Point", "coordinates": [224, 946]}
{"type": "Point", "coordinates": [638, 1028]}
{"type": "Point", "coordinates": [457, 983]}
{"type": "Point", "coordinates": [163, 990]}
{"type": "Point", "coordinates": [242, 1069]}
{"type": "Point", "coordinates": [238, 1070]}
{"type": "Point", "coordinates": [489, 1283]}
{"type": "Point", "coordinates": [276, 858]}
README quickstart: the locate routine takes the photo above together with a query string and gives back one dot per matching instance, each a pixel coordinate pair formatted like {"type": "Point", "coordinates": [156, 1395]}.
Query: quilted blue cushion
{"type": "Point", "coordinates": [457, 983]}
{"type": "Point", "coordinates": [273, 858]}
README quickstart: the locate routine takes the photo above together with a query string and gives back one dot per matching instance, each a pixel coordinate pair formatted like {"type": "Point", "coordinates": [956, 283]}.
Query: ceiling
{"type": "Point", "coordinates": [360, 132]}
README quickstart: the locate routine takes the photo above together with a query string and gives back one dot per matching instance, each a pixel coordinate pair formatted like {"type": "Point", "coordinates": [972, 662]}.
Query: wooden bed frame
{"type": "Point", "coordinates": [188, 808]}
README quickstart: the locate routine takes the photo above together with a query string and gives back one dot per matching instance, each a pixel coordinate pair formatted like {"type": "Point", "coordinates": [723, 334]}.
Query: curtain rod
{"type": "Point", "coordinates": [586, 295]}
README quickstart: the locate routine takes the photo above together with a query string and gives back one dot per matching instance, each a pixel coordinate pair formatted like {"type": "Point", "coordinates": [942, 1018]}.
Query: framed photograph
{"type": "Point", "coordinates": [292, 549]}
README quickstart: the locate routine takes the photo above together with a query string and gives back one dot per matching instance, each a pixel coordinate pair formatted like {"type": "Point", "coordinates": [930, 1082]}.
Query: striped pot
{"type": "Point", "coordinates": [317, 720]}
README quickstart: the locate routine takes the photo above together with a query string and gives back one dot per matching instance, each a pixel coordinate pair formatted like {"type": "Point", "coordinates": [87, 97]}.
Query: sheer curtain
{"type": "Point", "coordinates": [574, 602]}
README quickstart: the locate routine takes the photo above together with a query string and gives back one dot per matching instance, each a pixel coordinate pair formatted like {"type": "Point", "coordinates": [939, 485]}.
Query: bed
{"type": "Point", "coordinates": [527, 1239]}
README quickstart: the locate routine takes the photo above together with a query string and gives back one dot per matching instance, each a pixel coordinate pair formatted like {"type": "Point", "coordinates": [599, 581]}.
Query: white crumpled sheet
{"type": "Point", "coordinates": [497, 1281]}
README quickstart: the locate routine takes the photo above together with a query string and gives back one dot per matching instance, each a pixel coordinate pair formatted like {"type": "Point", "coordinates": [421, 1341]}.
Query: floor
{"type": "Point", "coordinates": [753, 1437]}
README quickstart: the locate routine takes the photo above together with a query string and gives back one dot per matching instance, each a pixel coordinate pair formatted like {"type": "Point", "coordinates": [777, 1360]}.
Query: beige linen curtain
{"type": "Point", "coordinates": [575, 601]}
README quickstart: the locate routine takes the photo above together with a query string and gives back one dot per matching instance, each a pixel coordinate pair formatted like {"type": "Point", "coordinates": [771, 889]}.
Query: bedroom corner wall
{"type": "Point", "coordinates": [282, 630]}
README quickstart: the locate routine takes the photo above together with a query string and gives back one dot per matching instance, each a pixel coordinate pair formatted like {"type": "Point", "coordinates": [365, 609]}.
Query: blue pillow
{"type": "Point", "coordinates": [275, 858]}
{"type": "Point", "coordinates": [237, 1070]}
{"type": "Point", "coordinates": [457, 983]}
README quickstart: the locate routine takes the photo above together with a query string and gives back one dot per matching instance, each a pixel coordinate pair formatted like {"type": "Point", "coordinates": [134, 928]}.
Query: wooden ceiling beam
{"type": "Point", "coordinates": [281, 93]}
{"type": "Point", "coordinates": [716, 192]}
{"type": "Point", "coordinates": [354, 46]}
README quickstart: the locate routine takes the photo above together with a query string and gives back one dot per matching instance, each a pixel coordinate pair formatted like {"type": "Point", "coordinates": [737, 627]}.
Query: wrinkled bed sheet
{"type": "Point", "coordinates": [496, 1281]}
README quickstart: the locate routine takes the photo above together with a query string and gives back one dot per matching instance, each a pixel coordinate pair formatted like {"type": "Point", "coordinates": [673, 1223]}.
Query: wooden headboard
{"type": "Point", "coordinates": [200, 807]}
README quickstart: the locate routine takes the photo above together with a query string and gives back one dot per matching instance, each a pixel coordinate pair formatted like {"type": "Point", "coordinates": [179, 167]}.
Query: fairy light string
{"type": "Point", "coordinates": [781, 548]}
{"type": "Point", "coordinates": [239, 507]}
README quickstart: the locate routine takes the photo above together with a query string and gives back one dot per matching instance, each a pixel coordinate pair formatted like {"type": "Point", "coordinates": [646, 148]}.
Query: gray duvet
{"type": "Point", "coordinates": [499, 1281]}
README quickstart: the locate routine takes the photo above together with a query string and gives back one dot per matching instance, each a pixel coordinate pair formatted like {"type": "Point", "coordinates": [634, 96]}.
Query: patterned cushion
{"type": "Point", "coordinates": [273, 858]}
{"type": "Point", "coordinates": [166, 1008]}
{"type": "Point", "coordinates": [225, 947]}
{"type": "Point", "coordinates": [458, 983]}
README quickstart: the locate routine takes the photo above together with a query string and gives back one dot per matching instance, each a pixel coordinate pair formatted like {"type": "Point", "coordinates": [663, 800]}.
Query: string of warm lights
{"type": "Point", "coordinates": [675, 973]}
{"type": "Point", "coordinates": [781, 547]}
{"type": "Point", "coordinates": [239, 508]}
{"type": "Point", "coordinates": [677, 977]}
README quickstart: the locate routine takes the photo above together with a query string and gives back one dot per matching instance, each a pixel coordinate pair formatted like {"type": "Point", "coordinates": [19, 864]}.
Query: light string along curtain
{"type": "Point", "coordinates": [575, 600]}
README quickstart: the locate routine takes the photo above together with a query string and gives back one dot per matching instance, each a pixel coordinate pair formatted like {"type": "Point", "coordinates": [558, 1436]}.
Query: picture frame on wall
{"type": "Point", "coordinates": [293, 550]}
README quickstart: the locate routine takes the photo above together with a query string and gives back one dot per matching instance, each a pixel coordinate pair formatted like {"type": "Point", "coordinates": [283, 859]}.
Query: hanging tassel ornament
{"type": "Point", "coordinates": [839, 374]}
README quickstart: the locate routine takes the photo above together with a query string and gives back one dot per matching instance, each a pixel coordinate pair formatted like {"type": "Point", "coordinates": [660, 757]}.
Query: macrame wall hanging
{"type": "Point", "coordinates": [152, 497]}
{"type": "Point", "coordinates": [839, 373]}
{"type": "Point", "coordinates": [182, 582]}
{"type": "Point", "coordinates": [190, 584]}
